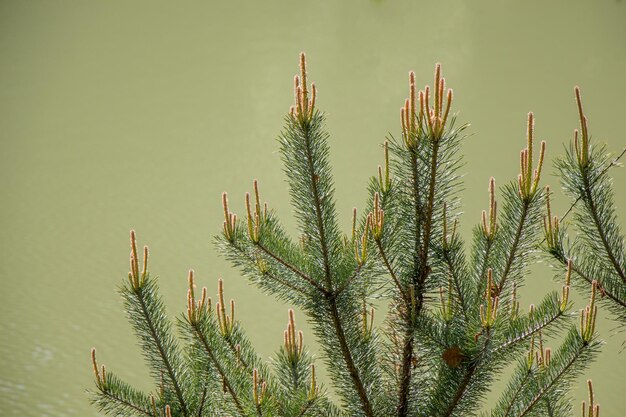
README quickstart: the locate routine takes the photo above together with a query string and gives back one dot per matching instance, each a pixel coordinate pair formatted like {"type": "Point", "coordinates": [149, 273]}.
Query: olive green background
{"type": "Point", "coordinates": [138, 114]}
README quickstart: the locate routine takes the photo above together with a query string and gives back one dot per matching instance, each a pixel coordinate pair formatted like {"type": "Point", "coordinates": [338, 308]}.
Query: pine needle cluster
{"type": "Point", "coordinates": [454, 318]}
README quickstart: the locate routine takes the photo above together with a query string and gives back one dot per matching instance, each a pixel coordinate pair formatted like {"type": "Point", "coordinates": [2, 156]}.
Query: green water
{"type": "Point", "coordinates": [137, 114]}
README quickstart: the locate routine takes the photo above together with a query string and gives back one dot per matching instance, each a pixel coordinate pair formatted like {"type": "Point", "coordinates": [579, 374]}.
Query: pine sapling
{"type": "Point", "coordinates": [454, 318]}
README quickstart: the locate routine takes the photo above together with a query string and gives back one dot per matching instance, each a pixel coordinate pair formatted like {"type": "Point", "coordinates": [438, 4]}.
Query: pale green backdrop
{"type": "Point", "coordinates": [120, 114]}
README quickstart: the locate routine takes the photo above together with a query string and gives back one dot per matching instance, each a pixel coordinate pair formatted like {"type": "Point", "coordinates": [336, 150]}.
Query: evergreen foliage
{"type": "Point", "coordinates": [597, 250]}
{"type": "Point", "coordinates": [454, 319]}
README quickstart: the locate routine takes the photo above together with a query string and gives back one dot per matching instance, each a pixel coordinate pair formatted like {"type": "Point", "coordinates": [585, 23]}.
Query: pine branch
{"type": "Point", "coordinates": [345, 350]}
{"type": "Point", "coordinates": [612, 164]}
{"type": "Point", "coordinates": [156, 334]}
{"type": "Point", "coordinates": [460, 392]}
{"type": "Point", "coordinates": [293, 269]}
{"type": "Point", "coordinates": [552, 372]}
{"type": "Point", "coordinates": [118, 397]}
{"type": "Point", "coordinates": [411, 310]}
{"type": "Point", "coordinates": [542, 317]}
{"type": "Point", "coordinates": [527, 374]}
{"type": "Point", "coordinates": [598, 250]}
{"type": "Point", "coordinates": [600, 227]}
{"type": "Point", "coordinates": [318, 210]}
{"type": "Point", "coordinates": [243, 256]}
{"type": "Point", "coordinates": [147, 314]}
{"type": "Point", "coordinates": [569, 367]}
{"type": "Point", "coordinates": [415, 131]}
{"type": "Point", "coordinates": [107, 400]}
{"type": "Point", "coordinates": [221, 340]}
{"type": "Point", "coordinates": [454, 271]}
{"type": "Point", "coordinates": [612, 295]}
{"type": "Point", "coordinates": [424, 250]}
{"type": "Point", "coordinates": [199, 334]}
{"type": "Point", "coordinates": [515, 233]}
{"type": "Point", "coordinates": [514, 246]}
{"type": "Point", "coordinates": [383, 256]}
{"type": "Point", "coordinates": [304, 149]}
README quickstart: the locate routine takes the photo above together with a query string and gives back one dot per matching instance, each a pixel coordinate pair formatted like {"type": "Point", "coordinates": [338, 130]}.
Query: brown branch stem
{"type": "Point", "coordinates": [291, 268]}
{"type": "Point", "coordinates": [383, 255]}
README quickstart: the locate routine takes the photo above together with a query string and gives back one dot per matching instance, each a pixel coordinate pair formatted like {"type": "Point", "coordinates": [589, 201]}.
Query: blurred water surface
{"type": "Point", "coordinates": [139, 114]}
